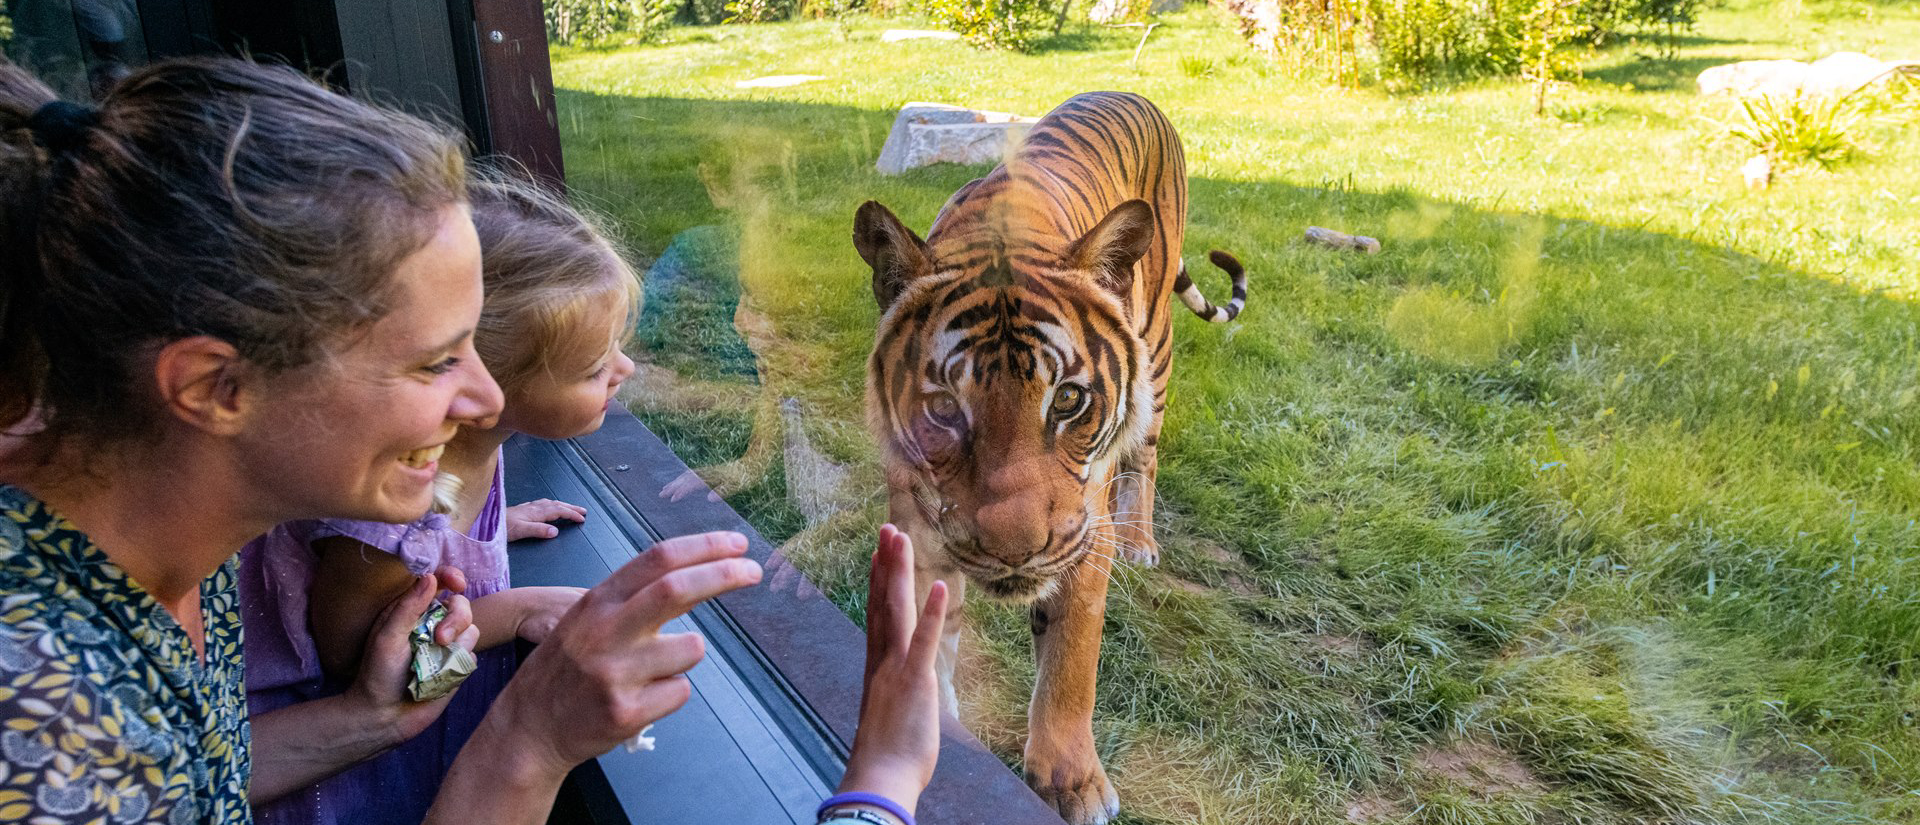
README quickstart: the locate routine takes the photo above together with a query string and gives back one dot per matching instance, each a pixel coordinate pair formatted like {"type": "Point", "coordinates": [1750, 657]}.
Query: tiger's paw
{"type": "Point", "coordinates": [1141, 551]}
{"type": "Point", "coordinates": [1076, 787]}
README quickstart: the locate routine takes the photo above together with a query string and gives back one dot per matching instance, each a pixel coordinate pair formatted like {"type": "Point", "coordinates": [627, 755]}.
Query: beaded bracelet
{"type": "Point", "coordinates": [862, 798]}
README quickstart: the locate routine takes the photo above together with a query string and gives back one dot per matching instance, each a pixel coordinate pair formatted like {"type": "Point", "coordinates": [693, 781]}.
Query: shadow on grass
{"type": "Point", "coordinates": [1655, 74]}
{"type": "Point", "coordinates": [1518, 319]}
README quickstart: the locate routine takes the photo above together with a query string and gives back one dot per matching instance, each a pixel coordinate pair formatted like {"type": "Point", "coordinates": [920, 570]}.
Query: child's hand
{"type": "Point", "coordinates": [898, 741]}
{"type": "Point", "coordinates": [542, 608]}
{"type": "Point", "coordinates": [529, 520]}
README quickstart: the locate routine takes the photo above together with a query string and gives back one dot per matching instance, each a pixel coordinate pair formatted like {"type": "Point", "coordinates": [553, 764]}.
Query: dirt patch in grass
{"type": "Point", "coordinates": [1372, 808]}
{"type": "Point", "coordinates": [1484, 769]}
{"type": "Point", "coordinates": [1235, 575]}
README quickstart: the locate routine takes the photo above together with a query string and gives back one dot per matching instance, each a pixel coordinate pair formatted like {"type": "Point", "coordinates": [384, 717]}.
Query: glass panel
{"type": "Point", "coordinates": [1560, 465]}
{"type": "Point", "coordinates": [79, 47]}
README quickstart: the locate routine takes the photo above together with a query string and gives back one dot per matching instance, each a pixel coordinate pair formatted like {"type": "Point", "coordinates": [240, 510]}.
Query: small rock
{"type": "Point", "coordinates": [776, 81]}
{"type": "Point", "coordinates": [897, 35]}
{"type": "Point", "coordinates": [929, 133]}
{"type": "Point", "coordinates": [1758, 172]}
{"type": "Point", "coordinates": [1341, 240]}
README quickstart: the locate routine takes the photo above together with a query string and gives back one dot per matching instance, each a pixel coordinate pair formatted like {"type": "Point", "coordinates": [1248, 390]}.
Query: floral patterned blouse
{"type": "Point", "coordinates": [106, 714]}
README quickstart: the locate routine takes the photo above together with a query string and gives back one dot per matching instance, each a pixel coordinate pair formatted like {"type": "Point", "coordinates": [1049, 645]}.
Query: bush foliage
{"type": "Point", "coordinates": [997, 24]}
{"type": "Point", "coordinates": [599, 21]}
{"type": "Point", "coordinates": [1402, 41]}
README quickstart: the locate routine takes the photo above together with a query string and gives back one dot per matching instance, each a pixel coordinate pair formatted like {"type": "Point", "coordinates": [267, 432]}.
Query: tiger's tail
{"type": "Point", "coordinates": [1190, 294]}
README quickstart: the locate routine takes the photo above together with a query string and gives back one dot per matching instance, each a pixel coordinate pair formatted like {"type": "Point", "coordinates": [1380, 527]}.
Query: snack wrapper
{"type": "Point", "coordinates": [437, 668]}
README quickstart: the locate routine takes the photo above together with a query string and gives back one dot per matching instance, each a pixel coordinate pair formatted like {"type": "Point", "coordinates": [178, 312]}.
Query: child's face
{"type": "Point", "coordinates": [572, 397]}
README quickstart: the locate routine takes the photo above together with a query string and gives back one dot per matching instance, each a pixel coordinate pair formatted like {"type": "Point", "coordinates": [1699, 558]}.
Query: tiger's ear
{"type": "Point", "coordinates": [1109, 249]}
{"type": "Point", "coordinates": [895, 253]}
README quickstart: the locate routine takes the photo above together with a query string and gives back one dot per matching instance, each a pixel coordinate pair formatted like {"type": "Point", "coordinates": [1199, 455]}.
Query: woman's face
{"type": "Point", "coordinates": [571, 397]}
{"type": "Point", "coordinates": [360, 436]}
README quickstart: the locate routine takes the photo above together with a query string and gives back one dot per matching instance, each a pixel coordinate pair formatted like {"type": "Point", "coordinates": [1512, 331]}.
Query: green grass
{"type": "Point", "coordinates": [1592, 498]}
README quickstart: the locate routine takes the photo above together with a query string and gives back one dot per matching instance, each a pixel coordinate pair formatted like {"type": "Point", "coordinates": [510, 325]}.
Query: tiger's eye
{"type": "Point", "coordinates": [1067, 400]}
{"type": "Point", "coordinates": [944, 406]}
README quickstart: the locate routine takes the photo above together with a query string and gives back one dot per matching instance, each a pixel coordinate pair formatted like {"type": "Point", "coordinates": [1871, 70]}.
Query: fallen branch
{"type": "Point", "coordinates": [1143, 37]}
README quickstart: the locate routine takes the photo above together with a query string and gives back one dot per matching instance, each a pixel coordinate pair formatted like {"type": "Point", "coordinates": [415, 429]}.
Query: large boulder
{"type": "Point", "coordinates": [929, 133]}
{"type": "Point", "coordinates": [1840, 73]}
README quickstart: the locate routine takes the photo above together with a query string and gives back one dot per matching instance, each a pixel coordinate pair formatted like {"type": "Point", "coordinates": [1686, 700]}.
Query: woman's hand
{"type": "Point", "coordinates": [298, 745]}
{"type": "Point", "coordinates": [387, 662]}
{"type": "Point", "coordinates": [606, 671]}
{"type": "Point", "coordinates": [898, 741]}
{"type": "Point", "coordinates": [530, 520]}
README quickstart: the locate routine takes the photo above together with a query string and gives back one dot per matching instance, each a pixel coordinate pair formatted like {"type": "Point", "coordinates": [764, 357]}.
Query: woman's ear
{"type": "Point", "coordinates": [201, 381]}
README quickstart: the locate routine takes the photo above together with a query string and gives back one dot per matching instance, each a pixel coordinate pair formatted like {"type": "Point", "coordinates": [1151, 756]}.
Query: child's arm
{"type": "Point", "coordinates": [352, 584]}
{"type": "Point", "coordinates": [521, 613]}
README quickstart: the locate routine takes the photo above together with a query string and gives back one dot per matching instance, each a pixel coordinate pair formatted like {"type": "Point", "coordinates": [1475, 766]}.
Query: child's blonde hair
{"type": "Point", "coordinates": [548, 267]}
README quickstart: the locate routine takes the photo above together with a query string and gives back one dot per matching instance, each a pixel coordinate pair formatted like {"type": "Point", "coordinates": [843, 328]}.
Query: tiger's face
{"type": "Point", "coordinates": [1005, 387]}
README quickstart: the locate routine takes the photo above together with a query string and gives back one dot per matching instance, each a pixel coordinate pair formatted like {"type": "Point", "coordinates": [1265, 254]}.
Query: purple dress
{"type": "Point", "coordinates": [283, 666]}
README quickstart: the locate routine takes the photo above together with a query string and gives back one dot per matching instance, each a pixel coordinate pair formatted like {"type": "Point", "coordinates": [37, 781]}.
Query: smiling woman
{"type": "Point", "coordinates": [183, 266]}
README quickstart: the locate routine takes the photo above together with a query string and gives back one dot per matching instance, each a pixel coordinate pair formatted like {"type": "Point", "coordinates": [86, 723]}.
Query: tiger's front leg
{"type": "Point", "coordinates": [1133, 504]}
{"type": "Point", "coordinates": [1061, 764]}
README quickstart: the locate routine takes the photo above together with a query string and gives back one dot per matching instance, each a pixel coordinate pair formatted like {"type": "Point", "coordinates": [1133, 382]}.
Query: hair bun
{"type": "Point", "coordinates": [61, 126]}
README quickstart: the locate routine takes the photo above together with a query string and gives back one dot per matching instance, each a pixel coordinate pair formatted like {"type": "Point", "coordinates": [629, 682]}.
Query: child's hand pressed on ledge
{"type": "Point", "coordinates": [531, 520]}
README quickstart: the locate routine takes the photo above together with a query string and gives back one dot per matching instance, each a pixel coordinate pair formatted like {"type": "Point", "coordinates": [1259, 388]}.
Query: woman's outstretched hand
{"type": "Point", "coordinates": [603, 673]}
{"type": "Point", "coordinates": [898, 741]}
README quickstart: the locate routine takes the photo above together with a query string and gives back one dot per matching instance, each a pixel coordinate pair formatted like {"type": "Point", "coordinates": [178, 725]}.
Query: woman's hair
{"type": "Point", "coordinates": [548, 269]}
{"type": "Point", "coordinates": [205, 196]}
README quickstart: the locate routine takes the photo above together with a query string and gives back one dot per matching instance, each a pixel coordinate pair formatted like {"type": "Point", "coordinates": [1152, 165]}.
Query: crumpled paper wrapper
{"type": "Point", "coordinates": [437, 668]}
{"type": "Point", "coordinates": [640, 741]}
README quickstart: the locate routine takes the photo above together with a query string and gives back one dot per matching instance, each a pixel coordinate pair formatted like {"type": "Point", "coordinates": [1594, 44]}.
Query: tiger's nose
{"type": "Point", "coordinates": [1012, 530]}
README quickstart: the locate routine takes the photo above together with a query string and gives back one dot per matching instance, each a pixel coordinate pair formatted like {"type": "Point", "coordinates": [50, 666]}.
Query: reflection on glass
{"type": "Point", "coordinates": [80, 47]}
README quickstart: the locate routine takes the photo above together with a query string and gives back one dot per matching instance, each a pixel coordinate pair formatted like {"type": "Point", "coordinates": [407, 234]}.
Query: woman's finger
{"type": "Point", "coordinates": [666, 557]}
{"type": "Point", "coordinates": [671, 654]}
{"type": "Point", "coordinates": [675, 593]}
{"type": "Point", "coordinates": [459, 617]}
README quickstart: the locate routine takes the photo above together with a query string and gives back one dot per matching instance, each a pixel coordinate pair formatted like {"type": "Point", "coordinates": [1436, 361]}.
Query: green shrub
{"type": "Point", "coordinates": [598, 21]}
{"type": "Point", "coordinates": [997, 24]}
{"type": "Point", "coordinates": [759, 11]}
{"type": "Point", "coordinates": [1799, 129]}
{"type": "Point", "coordinates": [703, 12]}
{"type": "Point", "coordinates": [1412, 41]}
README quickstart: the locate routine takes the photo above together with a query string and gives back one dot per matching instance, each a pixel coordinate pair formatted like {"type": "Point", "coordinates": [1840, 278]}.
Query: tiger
{"type": "Point", "coordinates": [1016, 388]}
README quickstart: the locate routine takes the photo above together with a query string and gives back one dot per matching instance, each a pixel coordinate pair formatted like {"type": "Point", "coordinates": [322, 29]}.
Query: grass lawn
{"type": "Point", "coordinates": [1592, 498]}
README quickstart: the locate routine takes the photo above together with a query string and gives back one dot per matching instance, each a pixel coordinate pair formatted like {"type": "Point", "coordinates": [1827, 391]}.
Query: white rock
{"type": "Point", "coordinates": [776, 81]}
{"type": "Point", "coordinates": [929, 133]}
{"type": "Point", "coordinates": [897, 35]}
{"type": "Point", "coordinates": [1839, 73]}
{"type": "Point", "coordinates": [1757, 172]}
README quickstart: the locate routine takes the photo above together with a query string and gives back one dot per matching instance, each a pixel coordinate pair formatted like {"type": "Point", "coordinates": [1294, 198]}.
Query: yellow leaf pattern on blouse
{"type": "Point", "coordinates": [106, 714]}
